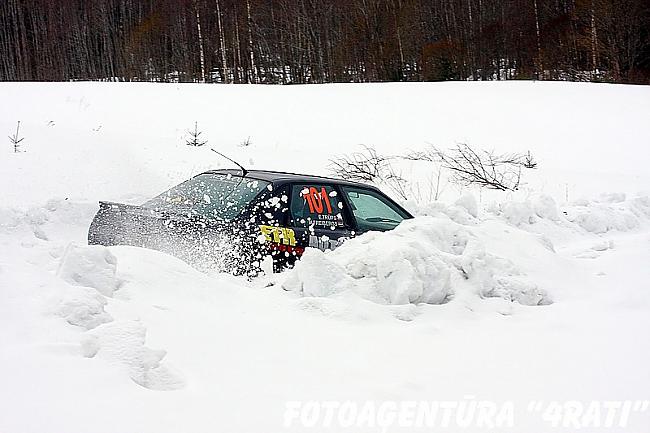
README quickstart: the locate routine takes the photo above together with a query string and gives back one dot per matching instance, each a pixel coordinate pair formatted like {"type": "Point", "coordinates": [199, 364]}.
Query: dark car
{"type": "Point", "coordinates": [233, 219]}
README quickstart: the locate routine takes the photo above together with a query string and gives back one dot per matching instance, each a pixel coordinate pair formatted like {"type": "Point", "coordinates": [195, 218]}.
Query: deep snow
{"type": "Point", "coordinates": [520, 296]}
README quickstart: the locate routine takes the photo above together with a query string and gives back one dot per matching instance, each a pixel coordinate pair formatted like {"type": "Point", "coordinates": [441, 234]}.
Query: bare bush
{"type": "Point", "coordinates": [483, 168]}
{"type": "Point", "coordinates": [466, 165]}
{"type": "Point", "coordinates": [369, 166]}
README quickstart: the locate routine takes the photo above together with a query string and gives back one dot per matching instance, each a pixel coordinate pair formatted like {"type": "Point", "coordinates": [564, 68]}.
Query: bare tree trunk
{"type": "Point", "coordinates": [594, 40]}
{"type": "Point", "coordinates": [539, 64]}
{"type": "Point", "coordinates": [238, 51]}
{"type": "Point", "coordinates": [470, 42]}
{"type": "Point", "coordinates": [252, 77]}
{"type": "Point", "coordinates": [301, 41]}
{"type": "Point", "coordinates": [201, 54]}
{"type": "Point", "coordinates": [399, 37]}
{"type": "Point", "coordinates": [222, 42]}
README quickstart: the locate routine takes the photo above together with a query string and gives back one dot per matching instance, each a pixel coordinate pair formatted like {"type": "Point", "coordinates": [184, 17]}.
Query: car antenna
{"type": "Point", "coordinates": [243, 170]}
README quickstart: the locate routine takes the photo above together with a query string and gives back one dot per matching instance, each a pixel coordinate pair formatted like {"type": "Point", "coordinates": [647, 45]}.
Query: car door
{"type": "Point", "coordinates": [317, 215]}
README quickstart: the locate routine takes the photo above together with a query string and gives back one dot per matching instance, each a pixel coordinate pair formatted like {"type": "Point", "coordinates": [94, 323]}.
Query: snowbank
{"type": "Point", "coordinates": [425, 260]}
{"type": "Point", "coordinates": [607, 213]}
{"type": "Point", "coordinates": [613, 212]}
{"type": "Point", "coordinates": [518, 213]}
{"type": "Point", "coordinates": [443, 255]}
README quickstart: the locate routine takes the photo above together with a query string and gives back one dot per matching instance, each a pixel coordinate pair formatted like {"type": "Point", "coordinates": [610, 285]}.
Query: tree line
{"type": "Point", "coordinates": [318, 41]}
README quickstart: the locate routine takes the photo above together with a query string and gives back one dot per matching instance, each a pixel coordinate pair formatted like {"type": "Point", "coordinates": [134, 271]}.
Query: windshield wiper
{"type": "Point", "coordinates": [382, 220]}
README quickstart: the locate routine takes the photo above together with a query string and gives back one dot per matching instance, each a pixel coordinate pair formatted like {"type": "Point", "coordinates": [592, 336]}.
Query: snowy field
{"type": "Point", "coordinates": [520, 299]}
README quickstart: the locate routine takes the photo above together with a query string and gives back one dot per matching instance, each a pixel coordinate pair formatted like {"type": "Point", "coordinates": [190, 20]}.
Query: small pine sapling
{"type": "Point", "coordinates": [16, 140]}
{"type": "Point", "coordinates": [194, 139]}
{"type": "Point", "coordinates": [529, 161]}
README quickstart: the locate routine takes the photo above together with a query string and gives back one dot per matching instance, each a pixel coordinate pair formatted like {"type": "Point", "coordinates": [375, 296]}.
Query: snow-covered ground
{"type": "Point", "coordinates": [531, 298]}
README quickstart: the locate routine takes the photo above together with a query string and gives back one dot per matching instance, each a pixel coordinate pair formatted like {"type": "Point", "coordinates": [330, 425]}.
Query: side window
{"type": "Point", "coordinates": [316, 206]}
{"type": "Point", "coordinates": [372, 210]}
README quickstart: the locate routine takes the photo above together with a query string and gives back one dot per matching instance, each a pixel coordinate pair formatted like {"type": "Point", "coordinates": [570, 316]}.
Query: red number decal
{"type": "Point", "coordinates": [310, 201]}
{"type": "Point", "coordinates": [327, 200]}
{"type": "Point", "coordinates": [315, 200]}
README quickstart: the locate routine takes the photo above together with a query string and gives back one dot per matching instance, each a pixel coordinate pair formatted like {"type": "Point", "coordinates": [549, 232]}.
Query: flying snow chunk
{"type": "Point", "coordinates": [89, 266]}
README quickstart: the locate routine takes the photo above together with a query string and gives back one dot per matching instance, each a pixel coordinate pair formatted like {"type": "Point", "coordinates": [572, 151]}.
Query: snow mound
{"type": "Point", "coordinates": [82, 306]}
{"type": "Point", "coordinates": [39, 219]}
{"type": "Point", "coordinates": [469, 203]}
{"type": "Point", "coordinates": [607, 213]}
{"type": "Point", "coordinates": [612, 212]}
{"type": "Point", "coordinates": [519, 213]}
{"type": "Point", "coordinates": [517, 289]}
{"type": "Point", "coordinates": [424, 260]}
{"type": "Point", "coordinates": [122, 343]}
{"type": "Point", "coordinates": [462, 212]}
{"type": "Point", "coordinates": [14, 220]}
{"type": "Point", "coordinates": [545, 207]}
{"type": "Point", "coordinates": [90, 266]}
{"type": "Point", "coordinates": [612, 197]}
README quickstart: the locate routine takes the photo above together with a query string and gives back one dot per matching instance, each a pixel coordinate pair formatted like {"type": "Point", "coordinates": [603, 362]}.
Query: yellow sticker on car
{"type": "Point", "coordinates": [279, 235]}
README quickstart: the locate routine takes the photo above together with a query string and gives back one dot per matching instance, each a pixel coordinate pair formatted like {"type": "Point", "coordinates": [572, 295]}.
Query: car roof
{"type": "Point", "coordinates": [280, 176]}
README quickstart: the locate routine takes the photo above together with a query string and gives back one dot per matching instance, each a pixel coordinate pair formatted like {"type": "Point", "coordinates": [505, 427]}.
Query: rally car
{"type": "Point", "coordinates": [233, 219]}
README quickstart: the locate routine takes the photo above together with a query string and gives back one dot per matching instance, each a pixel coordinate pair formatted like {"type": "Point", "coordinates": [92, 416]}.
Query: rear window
{"type": "Point", "coordinates": [213, 196]}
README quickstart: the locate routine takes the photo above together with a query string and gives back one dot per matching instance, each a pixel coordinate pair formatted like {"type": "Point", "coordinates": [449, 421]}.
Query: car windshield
{"type": "Point", "coordinates": [213, 196]}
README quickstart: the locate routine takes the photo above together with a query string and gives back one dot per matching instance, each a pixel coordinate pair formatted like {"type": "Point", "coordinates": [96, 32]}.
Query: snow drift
{"type": "Point", "coordinates": [424, 260]}
{"type": "Point", "coordinates": [443, 255]}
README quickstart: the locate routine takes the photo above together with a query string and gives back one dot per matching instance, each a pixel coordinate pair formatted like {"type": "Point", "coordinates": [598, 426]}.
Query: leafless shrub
{"type": "Point", "coordinates": [428, 189]}
{"type": "Point", "coordinates": [371, 167]}
{"type": "Point", "coordinates": [484, 168]}
{"type": "Point", "coordinates": [246, 142]}
{"type": "Point", "coordinates": [15, 139]}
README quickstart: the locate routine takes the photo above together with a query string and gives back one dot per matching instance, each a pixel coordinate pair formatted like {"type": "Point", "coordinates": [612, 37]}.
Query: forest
{"type": "Point", "coordinates": [322, 41]}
